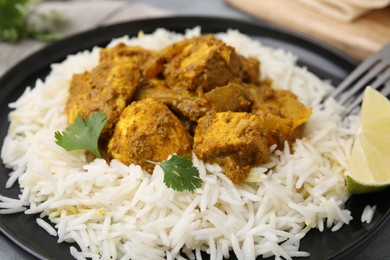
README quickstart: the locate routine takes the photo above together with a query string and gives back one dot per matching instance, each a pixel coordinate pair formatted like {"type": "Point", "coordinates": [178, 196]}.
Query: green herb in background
{"type": "Point", "coordinates": [179, 173]}
{"type": "Point", "coordinates": [17, 21]}
{"type": "Point", "coordinates": [82, 135]}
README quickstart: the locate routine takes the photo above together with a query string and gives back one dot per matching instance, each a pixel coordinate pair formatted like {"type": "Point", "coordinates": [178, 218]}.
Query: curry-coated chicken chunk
{"type": "Point", "coordinates": [148, 130]}
{"type": "Point", "coordinates": [232, 97]}
{"type": "Point", "coordinates": [187, 104]}
{"type": "Point", "coordinates": [122, 53]}
{"type": "Point", "coordinates": [235, 140]}
{"type": "Point", "coordinates": [106, 88]}
{"type": "Point", "coordinates": [201, 64]}
{"type": "Point", "coordinates": [282, 115]}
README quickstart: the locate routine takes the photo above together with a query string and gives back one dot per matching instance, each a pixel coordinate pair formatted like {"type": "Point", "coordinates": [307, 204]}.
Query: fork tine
{"type": "Point", "coordinates": [362, 68]}
{"type": "Point", "coordinates": [380, 80]}
{"type": "Point", "coordinates": [355, 104]}
{"type": "Point", "coordinates": [375, 71]}
{"type": "Point", "coordinates": [383, 54]}
{"type": "Point", "coordinates": [386, 90]}
{"type": "Point", "coordinates": [363, 81]}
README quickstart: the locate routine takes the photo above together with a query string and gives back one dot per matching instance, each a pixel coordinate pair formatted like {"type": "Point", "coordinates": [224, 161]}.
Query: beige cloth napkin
{"type": "Point", "coordinates": [345, 10]}
{"type": "Point", "coordinates": [77, 16]}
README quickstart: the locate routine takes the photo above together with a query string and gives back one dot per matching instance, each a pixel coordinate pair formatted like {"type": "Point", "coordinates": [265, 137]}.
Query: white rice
{"type": "Point", "coordinates": [368, 214]}
{"type": "Point", "coordinates": [118, 211]}
{"type": "Point", "coordinates": [46, 226]}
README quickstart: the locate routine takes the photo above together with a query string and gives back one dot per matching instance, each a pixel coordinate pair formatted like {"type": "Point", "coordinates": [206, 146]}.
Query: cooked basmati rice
{"type": "Point", "coordinates": [368, 214]}
{"type": "Point", "coordinates": [118, 211]}
{"type": "Point", "coordinates": [46, 226]}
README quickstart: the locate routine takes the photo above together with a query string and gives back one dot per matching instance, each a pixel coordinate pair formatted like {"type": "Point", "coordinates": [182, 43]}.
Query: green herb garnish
{"type": "Point", "coordinates": [18, 21]}
{"type": "Point", "coordinates": [82, 135]}
{"type": "Point", "coordinates": [179, 173]}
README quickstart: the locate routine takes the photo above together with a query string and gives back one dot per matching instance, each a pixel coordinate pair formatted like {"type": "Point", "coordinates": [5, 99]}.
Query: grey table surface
{"type": "Point", "coordinates": [376, 249]}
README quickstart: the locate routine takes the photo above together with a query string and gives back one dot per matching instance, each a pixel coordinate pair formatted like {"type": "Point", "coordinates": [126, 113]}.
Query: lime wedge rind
{"type": "Point", "coordinates": [356, 187]}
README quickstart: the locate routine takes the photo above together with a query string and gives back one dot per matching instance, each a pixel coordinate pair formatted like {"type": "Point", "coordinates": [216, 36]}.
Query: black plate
{"type": "Point", "coordinates": [324, 61]}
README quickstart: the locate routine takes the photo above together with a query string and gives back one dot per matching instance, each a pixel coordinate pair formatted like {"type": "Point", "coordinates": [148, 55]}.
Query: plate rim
{"type": "Point", "coordinates": [51, 49]}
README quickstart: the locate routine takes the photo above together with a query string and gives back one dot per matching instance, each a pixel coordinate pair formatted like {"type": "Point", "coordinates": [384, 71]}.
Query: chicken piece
{"type": "Point", "coordinates": [122, 53]}
{"type": "Point", "coordinates": [187, 108]}
{"type": "Point", "coordinates": [232, 97]}
{"type": "Point", "coordinates": [154, 67]}
{"type": "Point", "coordinates": [250, 69]}
{"type": "Point", "coordinates": [281, 113]}
{"type": "Point", "coordinates": [187, 104]}
{"type": "Point", "coordinates": [235, 140]}
{"type": "Point", "coordinates": [107, 88]}
{"type": "Point", "coordinates": [148, 130]}
{"type": "Point", "coordinates": [202, 63]}
{"type": "Point", "coordinates": [184, 103]}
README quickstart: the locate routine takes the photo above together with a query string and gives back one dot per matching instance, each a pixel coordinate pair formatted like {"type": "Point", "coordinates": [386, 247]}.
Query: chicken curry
{"type": "Point", "coordinates": [196, 95]}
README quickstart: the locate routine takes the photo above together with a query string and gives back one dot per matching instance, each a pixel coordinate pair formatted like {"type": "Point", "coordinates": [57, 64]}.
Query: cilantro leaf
{"type": "Point", "coordinates": [179, 173]}
{"type": "Point", "coordinates": [18, 20]}
{"type": "Point", "coordinates": [83, 135]}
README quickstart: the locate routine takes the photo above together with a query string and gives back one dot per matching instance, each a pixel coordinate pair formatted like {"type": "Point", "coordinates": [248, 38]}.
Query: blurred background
{"type": "Point", "coordinates": [356, 27]}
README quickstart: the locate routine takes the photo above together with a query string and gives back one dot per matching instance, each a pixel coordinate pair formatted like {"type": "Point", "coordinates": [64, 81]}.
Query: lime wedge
{"type": "Point", "coordinates": [369, 165]}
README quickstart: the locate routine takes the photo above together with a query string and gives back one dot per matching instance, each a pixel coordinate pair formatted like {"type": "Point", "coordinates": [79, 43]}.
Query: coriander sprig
{"type": "Point", "coordinates": [179, 173]}
{"type": "Point", "coordinates": [83, 135]}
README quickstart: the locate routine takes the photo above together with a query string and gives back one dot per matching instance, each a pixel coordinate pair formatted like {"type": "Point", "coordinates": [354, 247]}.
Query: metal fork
{"type": "Point", "coordinates": [374, 71]}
